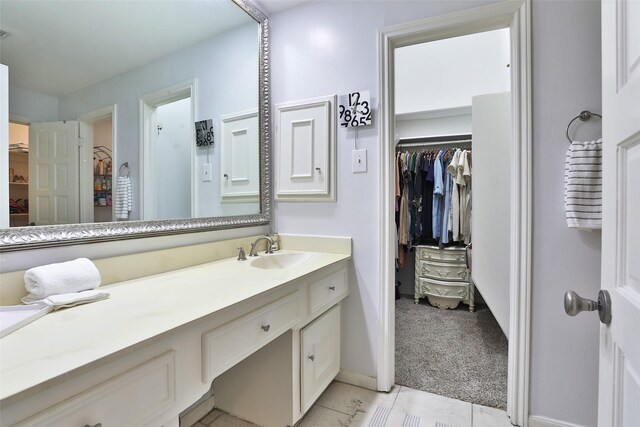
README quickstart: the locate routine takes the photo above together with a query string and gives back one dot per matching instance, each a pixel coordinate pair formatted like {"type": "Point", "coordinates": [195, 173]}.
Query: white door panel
{"type": "Point", "coordinates": [619, 386]}
{"type": "Point", "coordinates": [240, 180]}
{"type": "Point", "coordinates": [53, 173]}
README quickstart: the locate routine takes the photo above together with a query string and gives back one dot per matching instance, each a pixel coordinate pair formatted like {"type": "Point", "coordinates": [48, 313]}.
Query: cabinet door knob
{"type": "Point", "coordinates": [318, 169]}
{"type": "Point", "coordinates": [266, 328]}
{"type": "Point", "coordinates": [312, 358]}
{"type": "Point", "coordinates": [225, 175]}
{"type": "Point", "coordinates": [333, 288]}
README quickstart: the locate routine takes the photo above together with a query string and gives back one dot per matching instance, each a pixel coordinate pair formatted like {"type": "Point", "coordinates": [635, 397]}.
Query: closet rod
{"type": "Point", "coordinates": [434, 141]}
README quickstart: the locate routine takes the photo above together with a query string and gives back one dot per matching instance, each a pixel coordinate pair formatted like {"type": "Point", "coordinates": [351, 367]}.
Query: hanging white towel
{"type": "Point", "coordinates": [124, 198]}
{"type": "Point", "coordinates": [66, 277]}
{"type": "Point", "coordinates": [583, 185]}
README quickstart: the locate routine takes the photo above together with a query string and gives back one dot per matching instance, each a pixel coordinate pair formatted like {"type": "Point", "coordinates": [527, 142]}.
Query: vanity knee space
{"type": "Point", "coordinates": [285, 374]}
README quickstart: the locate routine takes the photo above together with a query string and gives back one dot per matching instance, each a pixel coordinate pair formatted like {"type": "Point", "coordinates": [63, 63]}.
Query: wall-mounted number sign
{"type": "Point", "coordinates": [204, 133]}
{"type": "Point", "coordinates": [354, 109]}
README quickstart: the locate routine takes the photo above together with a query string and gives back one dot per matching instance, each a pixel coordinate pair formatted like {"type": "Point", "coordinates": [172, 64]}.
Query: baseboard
{"type": "Point", "coordinates": [358, 380]}
{"type": "Point", "coordinates": [538, 421]}
{"type": "Point", "coordinates": [197, 411]}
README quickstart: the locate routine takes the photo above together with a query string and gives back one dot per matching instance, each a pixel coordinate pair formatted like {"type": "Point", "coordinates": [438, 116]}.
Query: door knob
{"type": "Point", "coordinates": [574, 304]}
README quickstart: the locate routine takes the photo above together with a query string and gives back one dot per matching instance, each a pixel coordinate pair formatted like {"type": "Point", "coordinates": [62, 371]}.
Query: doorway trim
{"type": "Point", "coordinates": [148, 103]}
{"type": "Point", "coordinates": [86, 158]}
{"type": "Point", "coordinates": [514, 15]}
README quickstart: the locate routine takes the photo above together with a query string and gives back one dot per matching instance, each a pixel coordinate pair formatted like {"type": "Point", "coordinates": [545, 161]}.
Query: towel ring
{"type": "Point", "coordinates": [583, 116]}
{"type": "Point", "coordinates": [124, 165]}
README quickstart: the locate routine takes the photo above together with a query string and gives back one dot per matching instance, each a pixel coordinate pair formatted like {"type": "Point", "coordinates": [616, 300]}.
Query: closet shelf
{"type": "Point", "coordinates": [18, 183]}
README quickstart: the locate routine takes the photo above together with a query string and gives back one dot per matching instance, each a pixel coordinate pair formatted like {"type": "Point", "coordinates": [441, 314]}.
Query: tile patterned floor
{"type": "Point", "coordinates": [344, 405]}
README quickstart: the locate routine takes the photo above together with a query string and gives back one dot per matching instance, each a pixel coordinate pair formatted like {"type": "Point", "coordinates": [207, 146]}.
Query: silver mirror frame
{"type": "Point", "coordinates": [23, 238]}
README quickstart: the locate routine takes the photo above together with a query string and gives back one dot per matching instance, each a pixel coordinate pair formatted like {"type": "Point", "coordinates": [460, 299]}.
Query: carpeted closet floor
{"type": "Point", "coordinates": [452, 353]}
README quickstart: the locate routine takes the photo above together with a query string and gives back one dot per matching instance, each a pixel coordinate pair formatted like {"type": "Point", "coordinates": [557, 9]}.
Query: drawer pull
{"type": "Point", "coordinates": [333, 288]}
{"type": "Point", "coordinates": [312, 358]}
{"type": "Point", "coordinates": [266, 327]}
{"type": "Point", "coordinates": [95, 425]}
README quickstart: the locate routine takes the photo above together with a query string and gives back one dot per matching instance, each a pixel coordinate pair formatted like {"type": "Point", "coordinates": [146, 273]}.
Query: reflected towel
{"type": "Point", "coordinates": [61, 278]}
{"type": "Point", "coordinates": [124, 198]}
{"type": "Point", "coordinates": [583, 185]}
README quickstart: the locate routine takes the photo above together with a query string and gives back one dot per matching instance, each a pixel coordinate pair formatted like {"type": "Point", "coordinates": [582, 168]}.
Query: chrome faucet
{"type": "Point", "coordinates": [254, 245]}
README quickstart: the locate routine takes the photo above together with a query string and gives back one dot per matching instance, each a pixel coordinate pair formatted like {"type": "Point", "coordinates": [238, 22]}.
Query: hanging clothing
{"type": "Point", "coordinates": [438, 193]}
{"type": "Point", "coordinates": [444, 238]}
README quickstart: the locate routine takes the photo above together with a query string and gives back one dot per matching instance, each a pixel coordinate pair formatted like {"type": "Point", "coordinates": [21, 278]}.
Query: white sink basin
{"type": "Point", "coordinates": [279, 260]}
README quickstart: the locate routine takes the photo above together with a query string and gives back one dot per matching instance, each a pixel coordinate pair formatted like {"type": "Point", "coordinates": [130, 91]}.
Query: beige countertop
{"type": "Point", "coordinates": [137, 310]}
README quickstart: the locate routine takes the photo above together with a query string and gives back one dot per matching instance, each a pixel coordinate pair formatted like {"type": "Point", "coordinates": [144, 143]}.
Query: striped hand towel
{"type": "Point", "coordinates": [124, 198]}
{"type": "Point", "coordinates": [583, 185]}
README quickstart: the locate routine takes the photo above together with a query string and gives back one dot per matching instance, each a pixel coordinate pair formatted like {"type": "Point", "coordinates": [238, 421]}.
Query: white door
{"type": "Point", "coordinates": [53, 173]}
{"type": "Point", "coordinates": [86, 184]}
{"type": "Point", "coordinates": [619, 389]}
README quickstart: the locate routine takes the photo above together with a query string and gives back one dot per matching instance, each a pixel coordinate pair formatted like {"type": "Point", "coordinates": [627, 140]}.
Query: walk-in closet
{"type": "Point", "coordinates": [453, 148]}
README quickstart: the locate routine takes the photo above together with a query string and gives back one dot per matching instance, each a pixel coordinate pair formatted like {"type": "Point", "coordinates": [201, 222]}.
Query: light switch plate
{"type": "Point", "coordinates": [359, 161]}
{"type": "Point", "coordinates": [206, 172]}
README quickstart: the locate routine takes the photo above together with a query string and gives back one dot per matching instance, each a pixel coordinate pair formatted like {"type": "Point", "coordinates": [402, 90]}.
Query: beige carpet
{"type": "Point", "coordinates": [452, 353]}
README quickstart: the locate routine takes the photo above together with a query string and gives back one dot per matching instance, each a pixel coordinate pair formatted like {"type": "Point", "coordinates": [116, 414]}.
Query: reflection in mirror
{"type": "Point", "coordinates": [103, 100]}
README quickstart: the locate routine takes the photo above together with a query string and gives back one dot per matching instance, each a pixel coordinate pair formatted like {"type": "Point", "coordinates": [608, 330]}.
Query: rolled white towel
{"type": "Point", "coordinates": [66, 277]}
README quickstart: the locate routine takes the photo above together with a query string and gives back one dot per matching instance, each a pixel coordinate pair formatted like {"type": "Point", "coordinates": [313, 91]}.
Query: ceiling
{"type": "Point", "coordinates": [57, 47]}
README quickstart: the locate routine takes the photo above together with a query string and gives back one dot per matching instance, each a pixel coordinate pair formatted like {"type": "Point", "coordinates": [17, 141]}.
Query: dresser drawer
{"type": "Point", "coordinates": [132, 398]}
{"type": "Point", "coordinates": [328, 291]}
{"type": "Point", "coordinates": [227, 345]}
{"type": "Point", "coordinates": [443, 289]}
{"type": "Point", "coordinates": [448, 254]}
{"type": "Point", "coordinates": [442, 271]}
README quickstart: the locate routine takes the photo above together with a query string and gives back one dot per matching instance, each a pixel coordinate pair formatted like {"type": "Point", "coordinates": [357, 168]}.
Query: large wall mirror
{"type": "Point", "coordinates": [133, 119]}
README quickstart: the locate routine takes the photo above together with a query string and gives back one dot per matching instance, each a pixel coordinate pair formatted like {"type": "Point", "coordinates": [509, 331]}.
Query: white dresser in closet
{"type": "Point", "coordinates": [442, 277]}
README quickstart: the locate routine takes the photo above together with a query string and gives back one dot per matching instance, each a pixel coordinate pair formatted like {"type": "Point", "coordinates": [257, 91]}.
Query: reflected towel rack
{"type": "Point", "coordinates": [583, 116]}
{"type": "Point", "coordinates": [124, 165]}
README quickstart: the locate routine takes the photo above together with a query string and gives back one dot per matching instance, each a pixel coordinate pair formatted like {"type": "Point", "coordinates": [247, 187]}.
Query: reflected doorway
{"type": "Point", "coordinates": [168, 154]}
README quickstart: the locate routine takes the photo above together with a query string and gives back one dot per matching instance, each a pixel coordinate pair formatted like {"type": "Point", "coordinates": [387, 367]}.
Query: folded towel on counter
{"type": "Point", "coordinates": [583, 185]}
{"type": "Point", "coordinates": [62, 278]}
{"type": "Point", "coordinates": [72, 299]}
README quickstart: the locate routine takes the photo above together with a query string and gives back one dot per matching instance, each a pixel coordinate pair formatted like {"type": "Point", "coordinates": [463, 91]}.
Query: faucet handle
{"type": "Point", "coordinates": [241, 255]}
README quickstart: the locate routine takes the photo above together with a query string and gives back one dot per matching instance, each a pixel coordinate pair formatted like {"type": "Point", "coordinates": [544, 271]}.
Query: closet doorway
{"type": "Point", "coordinates": [453, 92]}
{"type": "Point", "coordinates": [453, 129]}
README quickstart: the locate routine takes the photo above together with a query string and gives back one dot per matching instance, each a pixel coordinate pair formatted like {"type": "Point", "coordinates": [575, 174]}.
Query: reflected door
{"type": "Point", "coordinates": [53, 173]}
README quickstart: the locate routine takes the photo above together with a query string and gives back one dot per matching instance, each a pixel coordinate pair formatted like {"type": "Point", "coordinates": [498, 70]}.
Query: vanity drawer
{"type": "Point", "coordinates": [442, 271]}
{"type": "Point", "coordinates": [227, 345]}
{"type": "Point", "coordinates": [456, 255]}
{"type": "Point", "coordinates": [328, 291]}
{"type": "Point", "coordinates": [132, 398]}
{"type": "Point", "coordinates": [444, 289]}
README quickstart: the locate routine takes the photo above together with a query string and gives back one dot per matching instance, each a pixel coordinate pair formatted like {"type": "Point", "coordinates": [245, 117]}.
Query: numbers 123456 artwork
{"type": "Point", "coordinates": [354, 109]}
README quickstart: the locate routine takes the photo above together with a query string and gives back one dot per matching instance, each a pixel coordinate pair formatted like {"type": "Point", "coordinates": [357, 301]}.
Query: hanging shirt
{"type": "Point", "coordinates": [464, 179]}
{"type": "Point", "coordinates": [448, 180]}
{"type": "Point", "coordinates": [426, 166]}
{"type": "Point", "coordinates": [438, 193]}
{"type": "Point", "coordinates": [455, 195]}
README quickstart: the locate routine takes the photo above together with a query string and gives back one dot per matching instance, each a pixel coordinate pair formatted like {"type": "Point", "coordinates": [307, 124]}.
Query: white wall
{"type": "Point", "coordinates": [566, 80]}
{"type": "Point", "coordinates": [33, 106]}
{"type": "Point", "coordinates": [310, 58]}
{"type": "Point", "coordinates": [466, 66]}
{"type": "Point", "coordinates": [225, 68]}
{"type": "Point", "coordinates": [491, 188]}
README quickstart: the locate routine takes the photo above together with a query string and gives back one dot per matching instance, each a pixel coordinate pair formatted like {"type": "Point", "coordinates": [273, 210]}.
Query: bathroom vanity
{"type": "Point", "coordinates": [265, 331]}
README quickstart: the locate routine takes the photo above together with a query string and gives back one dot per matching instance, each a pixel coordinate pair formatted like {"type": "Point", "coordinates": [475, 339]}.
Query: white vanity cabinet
{"type": "Point", "coordinates": [253, 350]}
{"type": "Point", "coordinates": [132, 398]}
